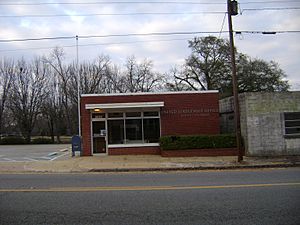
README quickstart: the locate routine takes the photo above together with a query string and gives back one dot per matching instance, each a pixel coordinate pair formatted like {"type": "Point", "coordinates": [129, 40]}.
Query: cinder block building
{"type": "Point", "coordinates": [132, 123]}
{"type": "Point", "coordinates": [270, 122]}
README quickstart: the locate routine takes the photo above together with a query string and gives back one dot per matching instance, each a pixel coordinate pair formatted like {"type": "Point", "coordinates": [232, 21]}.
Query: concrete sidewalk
{"type": "Point", "coordinates": [126, 163]}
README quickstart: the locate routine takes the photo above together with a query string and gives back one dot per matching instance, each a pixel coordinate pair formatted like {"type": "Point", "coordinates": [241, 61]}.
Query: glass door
{"type": "Point", "coordinates": [99, 137]}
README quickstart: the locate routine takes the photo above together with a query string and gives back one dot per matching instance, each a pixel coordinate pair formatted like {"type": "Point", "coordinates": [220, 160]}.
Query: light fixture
{"type": "Point", "coordinates": [97, 110]}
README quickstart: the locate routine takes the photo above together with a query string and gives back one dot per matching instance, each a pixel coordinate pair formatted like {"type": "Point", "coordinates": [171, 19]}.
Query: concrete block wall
{"type": "Point", "coordinates": [226, 115]}
{"type": "Point", "coordinates": [265, 135]}
{"type": "Point", "coordinates": [226, 108]}
{"type": "Point", "coordinates": [265, 123]}
{"type": "Point", "coordinates": [262, 122]}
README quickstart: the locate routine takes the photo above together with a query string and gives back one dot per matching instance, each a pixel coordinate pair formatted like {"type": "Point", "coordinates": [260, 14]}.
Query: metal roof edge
{"type": "Point", "coordinates": [125, 105]}
{"type": "Point", "coordinates": [151, 93]}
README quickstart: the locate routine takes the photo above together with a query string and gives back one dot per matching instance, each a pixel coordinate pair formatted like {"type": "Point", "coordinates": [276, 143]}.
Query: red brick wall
{"type": "Point", "coordinates": [85, 129]}
{"type": "Point", "coordinates": [134, 151]}
{"type": "Point", "coordinates": [183, 113]}
{"type": "Point", "coordinates": [190, 114]}
{"type": "Point", "coordinates": [200, 152]}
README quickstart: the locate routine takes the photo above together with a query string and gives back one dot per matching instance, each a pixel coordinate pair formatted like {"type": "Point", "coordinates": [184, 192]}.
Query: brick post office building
{"type": "Point", "coordinates": [132, 123]}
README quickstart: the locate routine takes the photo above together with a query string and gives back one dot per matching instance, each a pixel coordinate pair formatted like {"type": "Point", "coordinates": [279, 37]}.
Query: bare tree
{"type": "Point", "coordinates": [114, 82]}
{"type": "Point", "coordinates": [173, 84]}
{"type": "Point", "coordinates": [140, 76]}
{"type": "Point", "coordinates": [59, 107]}
{"type": "Point", "coordinates": [62, 72]}
{"type": "Point", "coordinates": [53, 110]}
{"type": "Point", "coordinates": [91, 75]}
{"type": "Point", "coordinates": [6, 74]}
{"type": "Point", "coordinates": [28, 93]}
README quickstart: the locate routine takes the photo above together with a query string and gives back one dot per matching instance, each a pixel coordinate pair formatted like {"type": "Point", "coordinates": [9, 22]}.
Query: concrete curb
{"type": "Point", "coordinates": [230, 167]}
{"type": "Point", "coordinates": [154, 169]}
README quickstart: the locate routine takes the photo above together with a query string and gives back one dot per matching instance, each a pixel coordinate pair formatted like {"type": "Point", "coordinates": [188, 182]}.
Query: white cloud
{"type": "Point", "coordinates": [282, 48]}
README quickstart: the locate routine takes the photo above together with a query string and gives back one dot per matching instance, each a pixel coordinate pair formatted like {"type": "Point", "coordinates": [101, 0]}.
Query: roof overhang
{"type": "Point", "coordinates": [150, 93]}
{"type": "Point", "coordinates": [127, 105]}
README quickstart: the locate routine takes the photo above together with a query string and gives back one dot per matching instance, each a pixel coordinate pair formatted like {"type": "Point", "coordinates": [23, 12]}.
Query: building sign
{"type": "Point", "coordinates": [189, 112]}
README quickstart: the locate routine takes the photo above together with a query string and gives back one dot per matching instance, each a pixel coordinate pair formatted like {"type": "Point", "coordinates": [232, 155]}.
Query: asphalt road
{"type": "Point", "coordinates": [270, 196]}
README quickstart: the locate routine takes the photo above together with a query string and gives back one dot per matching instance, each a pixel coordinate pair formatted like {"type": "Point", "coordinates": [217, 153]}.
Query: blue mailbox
{"type": "Point", "coordinates": [76, 144]}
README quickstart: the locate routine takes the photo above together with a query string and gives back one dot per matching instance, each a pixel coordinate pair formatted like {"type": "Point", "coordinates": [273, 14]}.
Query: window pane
{"type": "Point", "coordinates": [98, 115]}
{"type": "Point", "coordinates": [292, 116]}
{"type": "Point", "coordinates": [133, 114]}
{"type": "Point", "coordinates": [292, 123]}
{"type": "Point", "coordinates": [115, 115]}
{"type": "Point", "coordinates": [98, 128]}
{"type": "Point", "coordinates": [295, 123]}
{"type": "Point", "coordinates": [133, 131]}
{"type": "Point", "coordinates": [150, 114]}
{"type": "Point", "coordinates": [293, 130]}
{"type": "Point", "coordinates": [115, 131]}
{"type": "Point", "coordinates": [151, 130]}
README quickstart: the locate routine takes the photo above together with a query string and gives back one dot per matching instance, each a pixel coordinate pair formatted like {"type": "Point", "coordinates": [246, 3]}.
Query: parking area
{"type": "Point", "coordinates": [27, 153]}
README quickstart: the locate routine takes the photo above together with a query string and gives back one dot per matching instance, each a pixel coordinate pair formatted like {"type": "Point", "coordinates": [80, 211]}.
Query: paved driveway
{"type": "Point", "coordinates": [27, 153]}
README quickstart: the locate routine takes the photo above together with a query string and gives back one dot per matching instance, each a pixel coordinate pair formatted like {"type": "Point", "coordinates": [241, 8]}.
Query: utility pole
{"type": "Point", "coordinates": [232, 10]}
{"type": "Point", "coordinates": [78, 87]}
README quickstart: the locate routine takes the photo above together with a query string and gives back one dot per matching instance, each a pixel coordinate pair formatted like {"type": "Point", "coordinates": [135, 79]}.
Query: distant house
{"type": "Point", "coordinates": [270, 122]}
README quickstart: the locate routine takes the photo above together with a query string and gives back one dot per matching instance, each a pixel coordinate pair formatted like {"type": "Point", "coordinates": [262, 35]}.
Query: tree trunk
{"type": "Point", "coordinates": [51, 128]}
{"type": "Point", "coordinates": [58, 138]}
{"type": "Point", "coordinates": [28, 137]}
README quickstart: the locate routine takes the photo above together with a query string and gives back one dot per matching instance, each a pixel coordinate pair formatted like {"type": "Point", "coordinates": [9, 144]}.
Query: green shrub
{"type": "Point", "coordinates": [12, 141]}
{"type": "Point", "coordinates": [197, 142]}
{"type": "Point", "coordinates": [41, 141]}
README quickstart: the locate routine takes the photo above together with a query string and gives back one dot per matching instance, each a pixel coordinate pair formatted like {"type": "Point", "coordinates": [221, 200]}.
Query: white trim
{"type": "Point", "coordinates": [151, 93]}
{"type": "Point", "coordinates": [133, 145]}
{"type": "Point", "coordinates": [125, 105]}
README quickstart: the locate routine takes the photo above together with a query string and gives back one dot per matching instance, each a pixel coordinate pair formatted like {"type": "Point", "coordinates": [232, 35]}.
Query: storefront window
{"type": "Point", "coordinates": [133, 131]}
{"type": "Point", "coordinates": [151, 130]}
{"type": "Point", "coordinates": [115, 131]}
{"type": "Point", "coordinates": [133, 127]}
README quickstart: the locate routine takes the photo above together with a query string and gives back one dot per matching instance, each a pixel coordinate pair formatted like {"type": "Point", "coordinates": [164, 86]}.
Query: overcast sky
{"type": "Point", "coordinates": [30, 19]}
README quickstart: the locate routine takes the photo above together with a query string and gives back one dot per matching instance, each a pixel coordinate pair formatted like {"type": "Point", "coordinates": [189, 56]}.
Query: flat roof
{"type": "Point", "coordinates": [151, 93]}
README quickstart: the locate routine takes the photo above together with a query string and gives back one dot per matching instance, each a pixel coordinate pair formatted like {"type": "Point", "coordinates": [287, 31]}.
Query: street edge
{"type": "Point", "coordinates": [188, 168]}
{"type": "Point", "coordinates": [196, 168]}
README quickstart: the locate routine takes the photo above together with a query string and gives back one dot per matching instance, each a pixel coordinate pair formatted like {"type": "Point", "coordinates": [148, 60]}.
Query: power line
{"type": "Point", "coordinates": [222, 26]}
{"type": "Point", "coordinates": [271, 8]}
{"type": "Point", "coordinates": [142, 2]}
{"type": "Point", "coordinates": [144, 13]}
{"type": "Point", "coordinates": [143, 34]}
{"type": "Point", "coordinates": [145, 41]}
{"type": "Point", "coordinates": [116, 2]}
{"type": "Point", "coordinates": [114, 14]}
{"type": "Point", "coordinates": [110, 35]}
{"type": "Point", "coordinates": [271, 2]}
{"type": "Point", "coordinates": [267, 32]}
{"type": "Point", "coordinates": [98, 44]}
{"type": "Point", "coordinates": [37, 39]}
